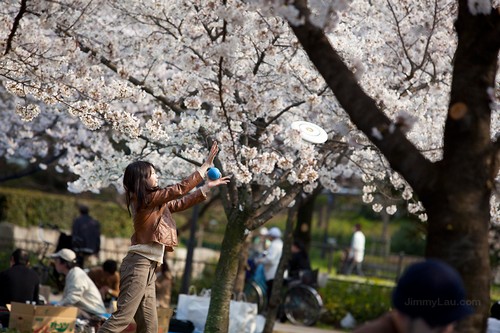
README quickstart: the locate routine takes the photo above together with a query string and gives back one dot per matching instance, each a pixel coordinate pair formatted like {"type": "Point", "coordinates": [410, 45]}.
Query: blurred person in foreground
{"type": "Point", "coordinates": [428, 298]}
{"type": "Point", "coordinates": [79, 290]}
{"type": "Point", "coordinates": [106, 279]}
{"type": "Point", "coordinates": [19, 283]}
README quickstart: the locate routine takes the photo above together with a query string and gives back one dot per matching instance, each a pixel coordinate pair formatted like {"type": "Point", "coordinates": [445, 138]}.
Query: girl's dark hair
{"type": "Point", "coordinates": [135, 182]}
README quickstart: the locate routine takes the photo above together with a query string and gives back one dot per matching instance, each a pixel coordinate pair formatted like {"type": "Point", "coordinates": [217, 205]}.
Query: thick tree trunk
{"type": "Point", "coordinates": [458, 209]}
{"type": "Point", "coordinates": [458, 234]}
{"type": "Point", "coordinates": [227, 268]}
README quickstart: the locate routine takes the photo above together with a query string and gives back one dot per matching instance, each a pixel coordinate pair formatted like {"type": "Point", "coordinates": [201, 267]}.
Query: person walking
{"type": "Point", "coordinates": [357, 251]}
{"type": "Point", "coordinates": [86, 237]}
{"type": "Point", "coordinates": [19, 283]}
{"type": "Point", "coordinates": [155, 232]}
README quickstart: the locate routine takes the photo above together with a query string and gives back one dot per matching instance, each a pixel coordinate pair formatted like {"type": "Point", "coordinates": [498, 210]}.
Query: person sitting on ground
{"type": "Point", "coordinates": [429, 297]}
{"type": "Point", "coordinates": [19, 283]}
{"type": "Point", "coordinates": [79, 290]}
{"type": "Point", "coordinates": [493, 325]}
{"type": "Point", "coordinates": [106, 279]}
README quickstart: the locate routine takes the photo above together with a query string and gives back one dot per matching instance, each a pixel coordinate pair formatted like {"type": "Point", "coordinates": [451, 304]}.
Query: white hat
{"type": "Point", "coordinates": [65, 254]}
{"type": "Point", "coordinates": [274, 232]}
{"type": "Point", "coordinates": [263, 231]}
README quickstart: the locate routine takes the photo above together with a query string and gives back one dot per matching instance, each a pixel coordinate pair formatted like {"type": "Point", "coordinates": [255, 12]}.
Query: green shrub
{"type": "Point", "coordinates": [409, 238]}
{"type": "Point", "coordinates": [27, 208]}
{"type": "Point", "coordinates": [364, 300]}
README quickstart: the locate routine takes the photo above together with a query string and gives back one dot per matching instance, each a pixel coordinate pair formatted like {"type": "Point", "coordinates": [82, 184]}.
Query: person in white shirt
{"type": "Point", "coordinates": [493, 325]}
{"type": "Point", "coordinates": [357, 250]}
{"type": "Point", "coordinates": [79, 290]}
{"type": "Point", "coordinates": [271, 258]}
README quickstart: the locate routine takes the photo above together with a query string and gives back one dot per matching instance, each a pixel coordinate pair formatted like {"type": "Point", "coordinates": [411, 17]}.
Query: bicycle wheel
{"type": "Point", "coordinates": [302, 305]}
{"type": "Point", "coordinates": [254, 294]}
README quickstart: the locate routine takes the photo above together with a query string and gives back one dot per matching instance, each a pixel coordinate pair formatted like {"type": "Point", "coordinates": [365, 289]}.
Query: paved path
{"type": "Point", "coordinates": [289, 328]}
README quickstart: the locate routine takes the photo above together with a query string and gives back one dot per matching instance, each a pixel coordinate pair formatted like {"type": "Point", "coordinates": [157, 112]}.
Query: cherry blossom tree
{"type": "Point", "coordinates": [455, 188]}
{"type": "Point", "coordinates": [99, 84]}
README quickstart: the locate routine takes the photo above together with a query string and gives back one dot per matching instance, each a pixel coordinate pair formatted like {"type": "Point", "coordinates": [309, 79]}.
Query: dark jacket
{"type": "Point", "coordinates": [154, 221]}
{"type": "Point", "coordinates": [18, 284]}
{"type": "Point", "coordinates": [299, 261]}
{"type": "Point", "coordinates": [86, 233]}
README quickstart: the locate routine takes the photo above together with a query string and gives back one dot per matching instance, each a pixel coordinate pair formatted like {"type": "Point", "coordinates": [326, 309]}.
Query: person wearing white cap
{"type": "Point", "coordinates": [271, 258]}
{"type": "Point", "coordinates": [79, 290]}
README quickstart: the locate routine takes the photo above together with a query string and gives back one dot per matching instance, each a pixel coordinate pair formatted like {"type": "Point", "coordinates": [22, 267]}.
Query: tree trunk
{"type": "Point", "coordinates": [459, 208]}
{"type": "Point", "coordinates": [458, 235]}
{"type": "Point", "coordinates": [239, 283]}
{"type": "Point", "coordinates": [277, 292]}
{"type": "Point", "coordinates": [305, 214]}
{"type": "Point", "coordinates": [227, 268]}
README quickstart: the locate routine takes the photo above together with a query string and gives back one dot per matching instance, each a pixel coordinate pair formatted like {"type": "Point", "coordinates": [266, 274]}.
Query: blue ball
{"type": "Point", "coordinates": [213, 173]}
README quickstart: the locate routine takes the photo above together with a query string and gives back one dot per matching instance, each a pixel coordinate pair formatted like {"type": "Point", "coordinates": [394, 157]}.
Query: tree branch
{"type": "Point", "coordinates": [33, 169]}
{"type": "Point", "coordinates": [403, 156]}
{"type": "Point", "coordinates": [15, 25]}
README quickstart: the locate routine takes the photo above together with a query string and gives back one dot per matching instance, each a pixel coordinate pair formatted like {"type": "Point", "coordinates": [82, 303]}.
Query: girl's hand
{"type": "Point", "coordinates": [211, 156]}
{"type": "Point", "coordinates": [214, 183]}
{"type": "Point", "coordinates": [210, 159]}
{"type": "Point", "coordinates": [221, 181]}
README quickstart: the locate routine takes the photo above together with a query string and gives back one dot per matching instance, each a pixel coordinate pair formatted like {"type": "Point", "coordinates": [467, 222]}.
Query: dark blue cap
{"type": "Point", "coordinates": [433, 291]}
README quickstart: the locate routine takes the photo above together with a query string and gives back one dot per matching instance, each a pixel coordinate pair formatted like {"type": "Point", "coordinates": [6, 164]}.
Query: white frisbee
{"type": "Point", "coordinates": [310, 132]}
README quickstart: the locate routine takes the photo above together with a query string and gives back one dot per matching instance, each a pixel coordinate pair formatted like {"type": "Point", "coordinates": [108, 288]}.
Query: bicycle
{"type": "Point", "coordinates": [302, 304]}
{"type": "Point", "coordinates": [46, 272]}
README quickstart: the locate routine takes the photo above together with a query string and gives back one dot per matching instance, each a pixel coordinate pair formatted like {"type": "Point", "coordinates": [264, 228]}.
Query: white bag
{"type": "Point", "coordinates": [242, 317]}
{"type": "Point", "coordinates": [194, 308]}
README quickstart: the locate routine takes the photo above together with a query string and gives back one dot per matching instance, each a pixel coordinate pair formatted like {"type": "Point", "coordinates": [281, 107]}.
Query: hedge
{"type": "Point", "coordinates": [27, 208]}
{"type": "Point", "coordinates": [365, 300]}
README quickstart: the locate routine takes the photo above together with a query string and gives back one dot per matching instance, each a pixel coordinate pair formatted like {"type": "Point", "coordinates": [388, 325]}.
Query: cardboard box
{"type": "Point", "coordinates": [164, 315]}
{"type": "Point", "coordinates": [29, 318]}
